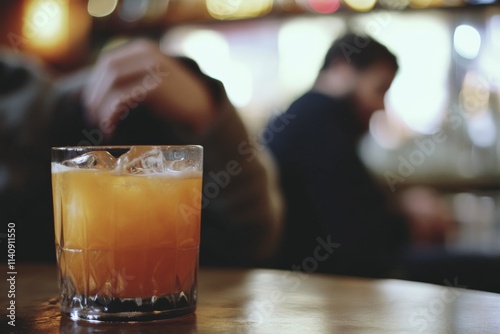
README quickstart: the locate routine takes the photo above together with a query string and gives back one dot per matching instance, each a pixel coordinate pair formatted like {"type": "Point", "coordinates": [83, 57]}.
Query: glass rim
{"type": "Point", "coordinates": [121, 147]}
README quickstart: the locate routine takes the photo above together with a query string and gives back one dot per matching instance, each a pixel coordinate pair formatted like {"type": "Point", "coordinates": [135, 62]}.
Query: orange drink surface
{"type": "Point", "coordinates": [127, 236]}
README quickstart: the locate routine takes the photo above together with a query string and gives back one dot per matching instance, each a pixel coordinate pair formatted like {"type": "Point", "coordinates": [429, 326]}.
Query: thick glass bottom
{"type": "Point", "coordinates": [93, 289]}
{"type": "Point", "coordinates": [128, 309]}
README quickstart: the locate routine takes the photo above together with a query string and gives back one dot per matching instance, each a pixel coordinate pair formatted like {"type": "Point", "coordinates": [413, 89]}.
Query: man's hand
{"type": "Point", "coordinates": [138, 73]}
{"type": "Point", "coordinates": [430, 217]}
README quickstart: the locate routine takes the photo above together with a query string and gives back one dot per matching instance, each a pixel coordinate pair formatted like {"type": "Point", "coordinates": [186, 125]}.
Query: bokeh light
{"type": "Point", "coordinates": [208, 48]}
{"type": "Point", "coordinates": [324, 6]}
{"type": "Point", "coordinates": [133, 10]}
{"type": "Point", "coordinates": [474, 96]}
{"type": "Point", "coordinates": [45, 25]}
{"type": "Point", "coordinates": [482, 130]}
{"type": "Point", "coordinates": [302, 46]}
{"type": "Point", "coordinates": [394, 4]}
{"type": "Point", "coordinates": [487, 61]}
{"type": "Point", "coordinates": [211, 51]}
{"type": "Point", "coordinates": [361, 5]}
{"type": "Point", "coordinates": [419, 94]}
{"type": "Point", "coordinates": [494, 30]}
{"type": "Point", "coordinates": [467, 41]}
{"type": "Point", "coordinates": [238, 9]}
{"type": "Point", "coordinates": [101, 8]}
{"type": "Point", "coordinates": [420, 3]}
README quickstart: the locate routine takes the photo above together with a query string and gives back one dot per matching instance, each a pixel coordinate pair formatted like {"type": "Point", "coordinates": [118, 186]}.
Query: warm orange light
{"type": "Point", "coordinates": [45, 25]}
{"type": "Point", "coordinates": [435, 3]}
{"type": "Point", "coordinates": [54, 30]}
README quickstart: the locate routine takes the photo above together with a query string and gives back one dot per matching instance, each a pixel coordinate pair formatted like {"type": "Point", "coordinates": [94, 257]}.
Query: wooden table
{"type": "Point", "coordinates": [271, 301]}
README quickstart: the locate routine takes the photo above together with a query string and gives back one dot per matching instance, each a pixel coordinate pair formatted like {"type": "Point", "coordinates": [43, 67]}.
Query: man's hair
{"type": "Point", "coordinates": [360, 51]}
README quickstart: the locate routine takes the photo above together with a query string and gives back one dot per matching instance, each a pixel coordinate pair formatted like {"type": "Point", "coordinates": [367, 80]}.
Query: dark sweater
{"type": "Point", "coordinates": [337, 218]}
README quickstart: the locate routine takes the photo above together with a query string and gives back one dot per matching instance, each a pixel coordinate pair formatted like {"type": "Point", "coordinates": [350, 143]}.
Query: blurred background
{"type": "Point", "coordinates": [442, 119]}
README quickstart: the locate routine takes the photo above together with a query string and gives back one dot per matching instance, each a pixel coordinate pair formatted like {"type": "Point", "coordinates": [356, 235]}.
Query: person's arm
{"type": "Point", "coordinates": [242, 212]}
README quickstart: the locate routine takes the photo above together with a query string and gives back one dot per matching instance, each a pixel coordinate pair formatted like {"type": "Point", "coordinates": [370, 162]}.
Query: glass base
{"type": "Point", "coordinates": [127, 309]}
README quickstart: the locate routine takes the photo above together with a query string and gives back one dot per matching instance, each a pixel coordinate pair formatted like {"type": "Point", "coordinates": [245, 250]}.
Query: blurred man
{"type": "Point", "coordinates": [337, 218]}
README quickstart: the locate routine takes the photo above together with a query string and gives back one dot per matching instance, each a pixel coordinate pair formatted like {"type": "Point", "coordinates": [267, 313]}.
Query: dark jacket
{"type": "Point", "coordinates": [337, 218]}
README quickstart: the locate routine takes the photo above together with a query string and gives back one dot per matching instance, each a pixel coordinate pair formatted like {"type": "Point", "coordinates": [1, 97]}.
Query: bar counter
{"type": "Point", "coordinates": [274, 301]}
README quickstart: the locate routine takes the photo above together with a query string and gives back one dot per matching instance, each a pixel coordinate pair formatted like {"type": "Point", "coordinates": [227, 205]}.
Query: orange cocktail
{"type": "Point", "coordinates": [122, 237]}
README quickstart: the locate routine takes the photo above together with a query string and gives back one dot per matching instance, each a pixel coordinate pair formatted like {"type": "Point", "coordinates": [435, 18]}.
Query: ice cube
{"type": "Point", "coordinates": [92, 160]}
{"type": "Point", "coordinates": [182, 165]}
{"type": "Point", "coordinates": [142, 160]}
